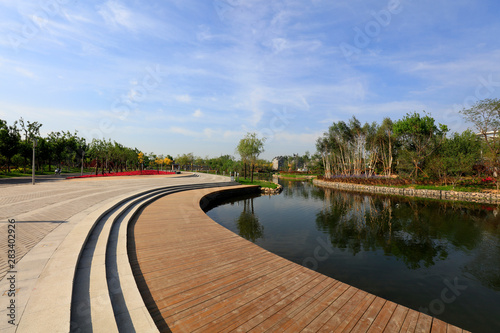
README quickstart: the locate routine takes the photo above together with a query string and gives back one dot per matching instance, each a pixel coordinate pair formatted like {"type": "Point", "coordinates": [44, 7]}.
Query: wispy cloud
{"type": "Point", "coordinates": [226, 69]}
{"type": "Point", "coordinates": [198, 114]}
{"type": "Point", "coordinates": [116, 14]}
{"type": "Point", "coordinates": [183, 98]}
{"type": "Point", "coordinates": [25, 72]}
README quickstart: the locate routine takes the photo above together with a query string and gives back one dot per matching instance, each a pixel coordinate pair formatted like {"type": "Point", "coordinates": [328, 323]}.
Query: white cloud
{"type": "Point", "coordinates": [233, 135]}
{"type": "Point", "coordinates": [115, 13]}
{"type": "Point", "coordinates": [183, 131]}
{"type": "Point", "coordinates": [209, 133]}
{"type": "Point", "coordinates": [25, 72]}
{"type": "Point", "coordinates": [303, 138]}
{"type": "Point", "coordinates": [198, 114]}
{"type": "Point", "coordinates": [256, 57]}
{"type": "Point", "coordinates": [183, 98]}
{"type": "Point", "coordinates": [302, 46]}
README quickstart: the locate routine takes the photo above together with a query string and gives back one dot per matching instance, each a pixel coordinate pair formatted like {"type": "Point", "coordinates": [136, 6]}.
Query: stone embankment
{"type": "Point", "coordinates": [268, 190]}
{"type": "Point", "coordinates": [409, 192]}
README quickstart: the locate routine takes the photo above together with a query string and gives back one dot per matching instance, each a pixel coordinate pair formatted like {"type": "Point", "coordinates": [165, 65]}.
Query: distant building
{"type": "Point", "coordinates": [490, 134]}
{"type": "Point", "coordinates": [278, 163]}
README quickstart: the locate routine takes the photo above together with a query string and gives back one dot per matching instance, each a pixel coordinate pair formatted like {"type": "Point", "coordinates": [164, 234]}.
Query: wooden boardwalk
{"type": "Point", "coordinates": [197, 276]}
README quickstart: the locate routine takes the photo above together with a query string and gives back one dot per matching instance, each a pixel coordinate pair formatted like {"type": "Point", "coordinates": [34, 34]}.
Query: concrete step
{"type": "Point", "coordinates": [105, 294]}
{"type": "Point", "coordinates": [91, 263]}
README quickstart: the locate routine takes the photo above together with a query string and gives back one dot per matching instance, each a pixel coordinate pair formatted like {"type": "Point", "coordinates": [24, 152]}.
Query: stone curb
{"type": "Point", "coordinates": [432, 194]}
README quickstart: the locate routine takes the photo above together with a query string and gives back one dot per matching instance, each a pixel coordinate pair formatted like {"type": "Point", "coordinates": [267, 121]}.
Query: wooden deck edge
{"type": "Point", "coordinates": [209, 314]}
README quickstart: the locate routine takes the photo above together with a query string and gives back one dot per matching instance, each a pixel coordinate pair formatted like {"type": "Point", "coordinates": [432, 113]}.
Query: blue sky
{"type": "Point", "coordinates": [180, 76]}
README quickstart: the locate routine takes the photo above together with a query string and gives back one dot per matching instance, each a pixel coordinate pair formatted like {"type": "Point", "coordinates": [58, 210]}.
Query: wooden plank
{"type": "Point", "coordinates": [397, 319]}
{"type": "Point", "coordinates": [424, 323]}
{"type": "Point", "coordinates": [304, 309]}
{"type": "Point", "coordinates": [188, 295]}
{"type": "Point", "coordinates": [300, 322]}
{"type": "Point", "coordinates": [330, 311]}
{"type": "Point", "coordinates": [336, 321]}
{"type": "Point", "coordinates": [383, 318]}
{"type": "Point", "coordinates": [274, 298]}
{"type": "Point", "coordinates": [202, 277]}
{"type": "Point", "coordinates": [289, 310]}
{"type": "Point", "coordinates": [453, 329]}
{"type": "Point", "coordinates": [213, 309]}
{"type": "Point", "coordinates": [438, 326]}
{"type": "Point", "coordinates": [410, 323]}
{"type": "Point", "coordinates": [349, 322]}
{"type": "Point", "coordinates": [369, 316]}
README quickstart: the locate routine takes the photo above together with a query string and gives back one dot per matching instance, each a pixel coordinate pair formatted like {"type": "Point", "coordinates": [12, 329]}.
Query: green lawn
{"type": "Point", "coordinates": [261, 183]}
{"type": "Point", "coordinates": [15, 174]}
{"type": "Point", "coordinates": [288, 175]}
{"type": "Point", "coordinates": [21, 174]}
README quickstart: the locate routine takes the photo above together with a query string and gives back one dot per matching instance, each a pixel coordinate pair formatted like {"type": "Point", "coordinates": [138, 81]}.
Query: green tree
{"type": "Point", "coordinates": [140, 158]}
{"type": "Point", "coordinates": [485, 116]}
{"type": "Point", "coordinates": [349, 148]}
{"type": "Point", "coordinates": [384, 140]}
{"type": "Point", "coordinates": [81, 149]}
{"type": "Point", "coordinates": [461, 152]}
{"type": "Point", "coordinates": [44, 152]}
{"type": "Point", "coordinates": [31, 130]}
{"type": "Point", "coordinates": [58, 144]}
{"type": "Point", "coordinates": [97, 152]}
{"type": "Point", "coordinates": [419, 137]}
{"type": "Point", "coordinates": [199, 162]}
{"type": "Point", "coordinates": [9, 141]}
{"type": "Point", "coordinates": [185, 160]}
{"type": "Point", "coordinates": [456, 157]}
{"type": "Point", "coordinates": [249, 148]}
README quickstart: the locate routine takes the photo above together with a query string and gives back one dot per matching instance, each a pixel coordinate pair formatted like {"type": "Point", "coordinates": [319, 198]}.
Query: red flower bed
{"type": "Point", "coordinates": [488, 180]}
{"type": "Point", "coordinates": [128, 173]}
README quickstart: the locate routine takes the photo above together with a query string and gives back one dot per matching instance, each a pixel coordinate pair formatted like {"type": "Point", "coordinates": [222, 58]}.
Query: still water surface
{"type": "Point", "coordinates": [439, 258]}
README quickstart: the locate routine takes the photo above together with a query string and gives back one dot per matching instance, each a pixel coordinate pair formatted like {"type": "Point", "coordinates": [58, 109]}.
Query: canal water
{"type": "Point", "coordinates": [440, 258]}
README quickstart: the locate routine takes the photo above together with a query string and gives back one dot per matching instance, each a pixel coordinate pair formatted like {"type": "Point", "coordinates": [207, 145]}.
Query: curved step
{"type": "Point", "coordinates": [105, 295]}
{"type": "Point", "coordinates": [46, 274]}
{"type": "Point", "coordinates": [49, 305]}
{"type": "Point", "coordinates": [91, 303]}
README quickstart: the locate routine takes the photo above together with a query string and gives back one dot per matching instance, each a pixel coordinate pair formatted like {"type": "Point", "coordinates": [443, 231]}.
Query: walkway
{"type": "Point", "coordinates": [53, 222]}
{"type": "Point", "coordinates": [74, 246]}
{"type": "Point", "coordinates": [197, 276]}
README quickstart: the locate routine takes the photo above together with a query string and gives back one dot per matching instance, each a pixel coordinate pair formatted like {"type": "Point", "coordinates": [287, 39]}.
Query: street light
{"type": "Point", "coordinates": [33, 168]}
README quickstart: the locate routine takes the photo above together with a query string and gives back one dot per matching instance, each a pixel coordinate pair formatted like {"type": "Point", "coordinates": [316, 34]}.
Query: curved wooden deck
{"type": "Point", "coordinates": [197, 276]}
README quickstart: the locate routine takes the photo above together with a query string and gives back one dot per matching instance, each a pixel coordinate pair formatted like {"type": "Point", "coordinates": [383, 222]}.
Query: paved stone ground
{"type": "Point", "coordinates": [45, 214]}
{"type": "Point", "coordinates": [41, 208]}
{"type": "Point", "coordinates": [38, 179]}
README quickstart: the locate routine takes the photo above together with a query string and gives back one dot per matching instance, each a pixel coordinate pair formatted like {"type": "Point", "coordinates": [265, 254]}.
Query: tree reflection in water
{"type": "Point", "coordinates": [248, 223]}
{"type": "Point", "coordinates": [417, 233]}
{"type": "Point", "coordinates": [402, 249]}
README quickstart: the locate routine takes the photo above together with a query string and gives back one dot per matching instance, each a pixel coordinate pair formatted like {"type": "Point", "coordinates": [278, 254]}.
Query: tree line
{"type": "Point", "coordinates": [68, 150]}
{"type": "Point", "coordinates": [414, 146]}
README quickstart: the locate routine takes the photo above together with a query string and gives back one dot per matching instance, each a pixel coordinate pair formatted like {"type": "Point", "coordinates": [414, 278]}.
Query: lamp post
{"type": "Point", "coordinates": [33, 168]}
